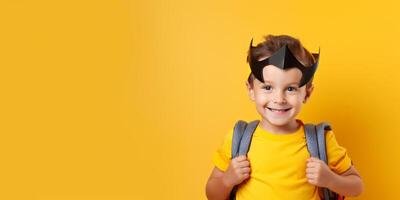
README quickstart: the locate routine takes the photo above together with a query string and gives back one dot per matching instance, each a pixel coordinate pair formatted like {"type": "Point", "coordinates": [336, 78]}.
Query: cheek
{"type": "Point", "coordinates": [299, 96]}
{"type": "Point", "coordinates": [295, 99]}
{"type": "Point", "coordinates": [261, 98]}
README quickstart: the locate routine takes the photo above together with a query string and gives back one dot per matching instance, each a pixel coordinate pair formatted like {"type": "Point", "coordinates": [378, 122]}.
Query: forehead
{"type": "Point", "coordinates": [276, 75]}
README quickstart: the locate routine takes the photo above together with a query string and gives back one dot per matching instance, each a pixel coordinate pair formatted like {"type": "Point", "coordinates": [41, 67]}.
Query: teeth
{"type": "Point", "coordinates": [277, 110]}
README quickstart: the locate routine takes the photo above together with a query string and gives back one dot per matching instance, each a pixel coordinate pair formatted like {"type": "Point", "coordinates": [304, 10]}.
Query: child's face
{"type": "Point", "coordinates": [279, 99]}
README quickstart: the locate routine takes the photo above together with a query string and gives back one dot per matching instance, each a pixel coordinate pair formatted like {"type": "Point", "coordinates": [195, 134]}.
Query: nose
{"type": "Point", "coordinates": [279, 98]}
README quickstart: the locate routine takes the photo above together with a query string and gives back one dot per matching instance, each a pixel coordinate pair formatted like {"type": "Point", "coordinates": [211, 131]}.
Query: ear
{"type": "Point", "coordinates": [250, 91]}
{"type": "Point", "coordinates": [308, 93]}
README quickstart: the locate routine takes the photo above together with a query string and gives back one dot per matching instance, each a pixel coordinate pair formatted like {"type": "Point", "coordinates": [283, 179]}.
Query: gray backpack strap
{"type": "Point", "coordinates": [312, 140]}
{"type": "Point", "coordinates": [242, 135]}
{"type": "Point", "coordinates": [246, 139]}
{"type": "Point", "coordinates": [238, 132]}
{"type": "Point", "coordinates": [316, 144]}
{"type": "Point", "coordinates": [321, 128]}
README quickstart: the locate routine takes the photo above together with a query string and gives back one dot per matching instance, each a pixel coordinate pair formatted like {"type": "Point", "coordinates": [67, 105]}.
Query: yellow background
{"type": "Point", "coordinates": [129, 99]}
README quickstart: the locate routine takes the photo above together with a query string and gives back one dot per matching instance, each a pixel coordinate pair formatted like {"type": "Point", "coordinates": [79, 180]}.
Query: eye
{"type": "Point", "coordinates": [291, 89]}
{"type": "Point", "coordinates": [267, 87]}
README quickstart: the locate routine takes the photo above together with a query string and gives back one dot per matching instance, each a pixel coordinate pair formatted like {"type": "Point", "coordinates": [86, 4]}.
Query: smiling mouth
{"type": "Point", "coordinates": [279, 110]}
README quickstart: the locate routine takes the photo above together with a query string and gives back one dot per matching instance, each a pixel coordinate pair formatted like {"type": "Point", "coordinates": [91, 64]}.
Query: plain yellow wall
{"type": "Point", "coordinates": [129, 99]}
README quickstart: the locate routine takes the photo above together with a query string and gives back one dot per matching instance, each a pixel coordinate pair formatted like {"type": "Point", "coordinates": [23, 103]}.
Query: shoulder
{"type": "Point", "coordinates": [227, 137]}
{"type": "Point", "coordinates": [331, 138]}
{"type": "Point", "coordinates": [338, 157]}
{"type": "Point", "coordinates": [222, 155]}
{"type": "Point", "coordinates": [331, 142]}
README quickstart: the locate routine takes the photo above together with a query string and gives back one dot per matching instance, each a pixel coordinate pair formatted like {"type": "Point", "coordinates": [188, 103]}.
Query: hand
{"type": "Point", "coordinates": [238, 171]}
{"type": "Point", "coordinates": [318, 173]}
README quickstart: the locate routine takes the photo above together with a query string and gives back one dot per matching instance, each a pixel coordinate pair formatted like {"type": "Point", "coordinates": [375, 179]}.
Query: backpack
{"type": "Point", "coordinates": [315, 137]}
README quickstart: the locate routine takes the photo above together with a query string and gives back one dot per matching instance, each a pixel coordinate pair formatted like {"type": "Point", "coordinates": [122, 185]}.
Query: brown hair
{"type": "Point", "coordinates": [272, 44]}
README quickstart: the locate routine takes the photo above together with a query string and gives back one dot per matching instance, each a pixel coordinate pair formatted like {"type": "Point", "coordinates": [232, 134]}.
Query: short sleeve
{"type": "Point", "coordinates": [338, 159]}
{"type": "Point", "coordinates": [222, 156]}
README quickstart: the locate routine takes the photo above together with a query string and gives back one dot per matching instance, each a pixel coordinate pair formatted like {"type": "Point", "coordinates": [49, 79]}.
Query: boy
{"type": "Point", "coordinates": [278, 164]}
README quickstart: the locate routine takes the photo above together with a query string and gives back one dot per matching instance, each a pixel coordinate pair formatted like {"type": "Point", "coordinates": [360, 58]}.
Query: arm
{"type": "Point", "coordinates": [341, 176]}
{"type": "Point", "coordinates": [347, 184]}
{"type": "Point", "coordinates": [220, 184]}
{"type": "Point", "coordinates": [217, 187]}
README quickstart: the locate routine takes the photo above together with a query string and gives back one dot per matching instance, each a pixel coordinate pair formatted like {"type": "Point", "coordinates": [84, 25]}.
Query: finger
{"type": "Point", "coordinates": [316, 160]}
{"type": "Point", "coordinates": [244, 163]}
{"type": "Point", "coordinates": [311, 165]}
{"type": "Point", "coordinates": [246, 170]}
{"type": "Point", "coordinates": [246, 175]}
{"type": "Point", "coordinates": [237, 160]}
{"type": "Point", "coordinates": [241, 158]}
{"type": "Point", "coordinates": [312, 181]}
{"type": "Point", "coordinates": [311, 176]}
{"type": "Point", "coordinates": [310, 170]}
{"type": "Point", "coordinates": [312, 159]}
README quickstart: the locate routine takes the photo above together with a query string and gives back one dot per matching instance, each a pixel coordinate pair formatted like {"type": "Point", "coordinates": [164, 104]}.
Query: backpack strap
{"type": "Point", "coordinates": [242, 135]}
{"type": "Point", "coordinates": [238, 132]}
{"type": "Point", "coordinates": [312, 140]}
{"type": "Point", "coordinates": [321, 128]}
{"type": "Point", "coordinates": [316, 144]}
{"type": "Point", "coordinates": [247, 136]}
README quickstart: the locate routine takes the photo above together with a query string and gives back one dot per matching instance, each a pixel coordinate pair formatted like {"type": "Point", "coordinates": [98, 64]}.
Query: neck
{"type": "Point", "coordinates": [288, 128]}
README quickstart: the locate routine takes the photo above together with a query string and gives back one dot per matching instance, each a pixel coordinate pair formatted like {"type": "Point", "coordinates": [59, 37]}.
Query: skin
{"type": "Point", "coordinates": [280, 91]}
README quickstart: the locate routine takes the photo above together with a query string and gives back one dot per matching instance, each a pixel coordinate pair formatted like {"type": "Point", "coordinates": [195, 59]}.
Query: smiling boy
{"type": "Point", "coordinates": [278, 164]}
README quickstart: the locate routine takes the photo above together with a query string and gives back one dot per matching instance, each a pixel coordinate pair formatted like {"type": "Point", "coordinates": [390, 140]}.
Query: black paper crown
{"type": "Point", "coordinates": [283, 59]}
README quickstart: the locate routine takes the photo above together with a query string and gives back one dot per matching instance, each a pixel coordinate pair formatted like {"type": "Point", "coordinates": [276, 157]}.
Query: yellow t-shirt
{"type": "Point", "coordinates": [278, 164]}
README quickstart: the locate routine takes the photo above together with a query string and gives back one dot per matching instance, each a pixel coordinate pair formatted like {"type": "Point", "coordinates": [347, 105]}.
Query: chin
{"type": "Point", "coordinates": [278, 122]}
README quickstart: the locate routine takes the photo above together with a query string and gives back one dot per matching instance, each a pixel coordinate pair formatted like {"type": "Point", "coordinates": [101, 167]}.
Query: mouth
{"type": "Point", "coordinates": [279, 111]}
